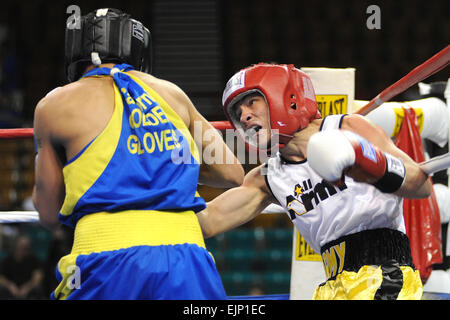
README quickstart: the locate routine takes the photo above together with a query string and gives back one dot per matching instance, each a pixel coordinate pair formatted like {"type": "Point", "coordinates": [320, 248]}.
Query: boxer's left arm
{"type": "Point", "coordinates": [417, 183]}
{"type": "Point", "coordinates": [49, 189]}
{"type": "Point", "coordinates": [369, 156]}
{"type": "Point", "coordinates": [236, 206]}
{"type": "Point", "coordinates": [219, 167]}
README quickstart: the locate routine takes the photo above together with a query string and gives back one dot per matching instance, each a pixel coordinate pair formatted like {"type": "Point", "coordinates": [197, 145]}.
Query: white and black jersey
{"type": "Point", "coordinates": [323, 212]}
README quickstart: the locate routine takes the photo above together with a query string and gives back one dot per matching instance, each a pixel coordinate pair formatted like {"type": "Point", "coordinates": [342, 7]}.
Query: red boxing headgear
{"type": "Point", "coordinates": [288, 91]}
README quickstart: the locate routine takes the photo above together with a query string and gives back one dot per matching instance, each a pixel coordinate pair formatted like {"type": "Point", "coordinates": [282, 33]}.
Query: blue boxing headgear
{"type": "Point", "coordinates": [106, 36]}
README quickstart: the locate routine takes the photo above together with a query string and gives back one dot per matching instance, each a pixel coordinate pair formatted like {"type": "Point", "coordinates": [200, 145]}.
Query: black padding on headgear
{"type": "Point", "coordinates": [116, 37]}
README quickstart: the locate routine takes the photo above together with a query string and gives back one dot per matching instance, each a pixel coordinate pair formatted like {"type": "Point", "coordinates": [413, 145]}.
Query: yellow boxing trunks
{"type": "Point", "coordinates": [369, 265]}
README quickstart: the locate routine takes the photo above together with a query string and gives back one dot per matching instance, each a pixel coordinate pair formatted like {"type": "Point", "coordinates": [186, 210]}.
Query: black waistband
{"type": "Point", "coordinates": [370, 247]}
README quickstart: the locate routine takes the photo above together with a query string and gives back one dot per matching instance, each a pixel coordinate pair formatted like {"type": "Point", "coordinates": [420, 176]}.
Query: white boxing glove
{"type": "Point", "coordinates": [330, 153]}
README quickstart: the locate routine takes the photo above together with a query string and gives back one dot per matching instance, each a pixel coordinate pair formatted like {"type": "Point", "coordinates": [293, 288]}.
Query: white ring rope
{"type": "Point", "coordinates": [33, 216]}
{"type": "Point", "coordinates": [18, 216]}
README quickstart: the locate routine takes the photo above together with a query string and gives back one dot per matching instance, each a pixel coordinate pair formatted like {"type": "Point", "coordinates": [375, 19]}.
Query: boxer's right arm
{"type": "Point", "coordinates": [49, 189]}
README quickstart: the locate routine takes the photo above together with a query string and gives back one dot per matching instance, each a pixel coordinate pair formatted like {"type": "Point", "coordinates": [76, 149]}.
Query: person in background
{"type": "Point", "coordinates": [21, 273]}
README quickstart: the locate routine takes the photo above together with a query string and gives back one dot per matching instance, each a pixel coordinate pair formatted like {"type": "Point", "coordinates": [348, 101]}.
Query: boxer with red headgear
{"type": "Point", "coordinates": [339, 179]}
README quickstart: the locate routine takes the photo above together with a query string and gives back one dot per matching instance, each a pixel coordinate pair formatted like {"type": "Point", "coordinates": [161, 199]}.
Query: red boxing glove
{"type": "Point", "coordinates": [388, 172]}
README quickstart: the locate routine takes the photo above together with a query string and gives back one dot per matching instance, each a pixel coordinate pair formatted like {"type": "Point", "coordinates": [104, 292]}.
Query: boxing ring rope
{"type": "Point", "coordinates": [24, 133]}
{"type": "Point", "coordinates": [33, 216]}
{"type": "Point", "coordinates": [436, 63]}
{"type": "Point", "coordinates": [19, 133]}
{"type": "Point", "coordinates": [19, 216]}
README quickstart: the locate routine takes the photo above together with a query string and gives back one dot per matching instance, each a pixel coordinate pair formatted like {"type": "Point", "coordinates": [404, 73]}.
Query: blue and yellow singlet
{"type": "Point", "coordinates": [145, 158]}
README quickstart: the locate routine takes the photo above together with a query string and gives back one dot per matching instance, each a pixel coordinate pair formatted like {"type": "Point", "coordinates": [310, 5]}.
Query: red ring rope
{"type": "Point", "coordinates": [20, 133]}
{"type": "Point", "coordinates": [437, 62]}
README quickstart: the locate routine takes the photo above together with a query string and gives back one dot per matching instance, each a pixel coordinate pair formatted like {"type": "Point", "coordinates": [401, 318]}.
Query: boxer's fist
{"type": "Point", "coordinates": [333, 153]}
{"type": "Point", "coordinates": [329, 153]}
